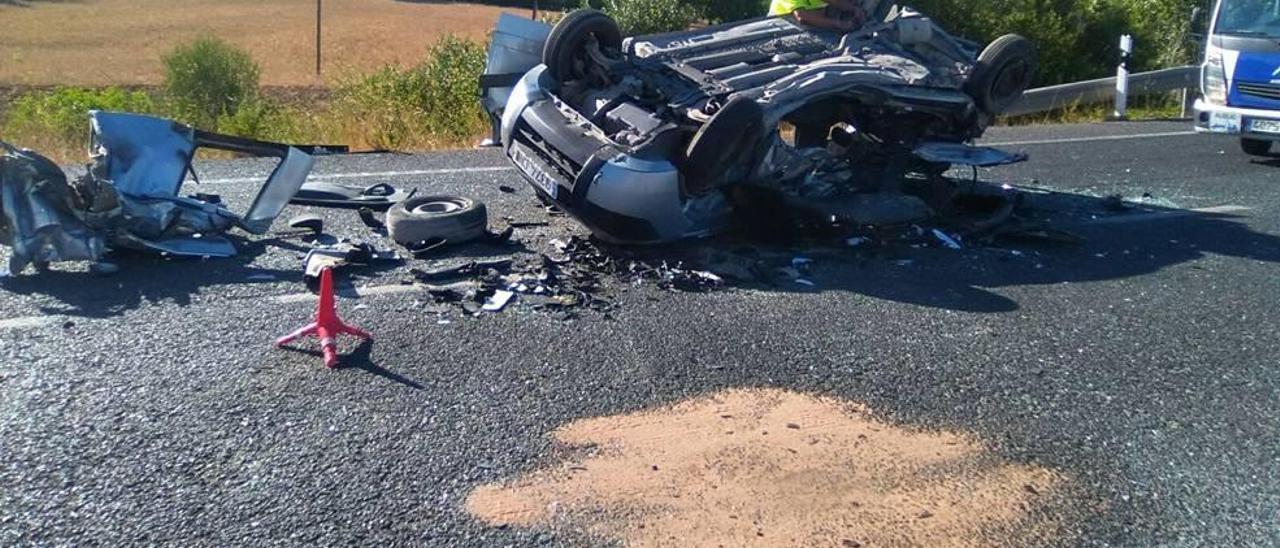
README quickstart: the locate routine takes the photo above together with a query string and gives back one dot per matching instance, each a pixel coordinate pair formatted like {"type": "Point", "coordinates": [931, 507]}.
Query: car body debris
{"type": "Point", "coordinates": [343, 254]}
{"type": "Point", "coordinates": [129, 198]}
{"type": "Point", "coordinates": [378, 197]}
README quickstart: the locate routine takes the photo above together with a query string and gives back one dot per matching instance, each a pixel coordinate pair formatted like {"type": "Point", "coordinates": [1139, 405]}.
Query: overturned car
{"type": "Point", "coordinates": [652, 138]}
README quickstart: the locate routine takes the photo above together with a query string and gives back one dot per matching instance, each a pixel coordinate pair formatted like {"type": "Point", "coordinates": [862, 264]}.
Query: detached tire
{"type": "Point", "coordinates": [1255, 147]}
{"type": "Point", "coordinates": [720, 142]}
{"type": "Point", "coordinates": [452, 219]}
{"type": "Point", "coordinates": [1004, 70]}
{"type": "Point", "coordinates": [565, 49]}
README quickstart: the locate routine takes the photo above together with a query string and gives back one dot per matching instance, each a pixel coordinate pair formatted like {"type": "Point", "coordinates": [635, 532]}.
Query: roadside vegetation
{"type": "Point", "coordinates": [432, 104]}
{"type": "Point", "coordinates": [212, 85]}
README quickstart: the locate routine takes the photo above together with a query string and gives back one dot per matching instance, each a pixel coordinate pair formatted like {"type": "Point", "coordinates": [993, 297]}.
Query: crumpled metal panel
{"type": "Point", "coordinates": [129, 198]}
{"type": "Point", "coordinates": [283, 183]}
{"type": "Point", "coordinates": [143, 155]}
{"type": "Point", "coordinates": [36, 215]}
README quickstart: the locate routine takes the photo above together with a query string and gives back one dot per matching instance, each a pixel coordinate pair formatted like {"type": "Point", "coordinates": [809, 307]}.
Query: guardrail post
{"type": "Point", "coordinates": [1122, 77]}
{"type": "Point", "coordinates": [1189, 102]}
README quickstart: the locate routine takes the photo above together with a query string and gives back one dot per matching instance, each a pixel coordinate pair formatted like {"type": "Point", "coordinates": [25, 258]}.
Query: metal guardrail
{"type": "Point", "coordinates": [1103, 90]}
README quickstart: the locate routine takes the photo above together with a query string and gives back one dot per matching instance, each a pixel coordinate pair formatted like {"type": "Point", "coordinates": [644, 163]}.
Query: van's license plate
{"type": "Point", "coordinates": [535, 172]}
{"type": "Point", "coordinates": [1224, 122]}
{"type": "Point", "coordinates": [1264, 126]}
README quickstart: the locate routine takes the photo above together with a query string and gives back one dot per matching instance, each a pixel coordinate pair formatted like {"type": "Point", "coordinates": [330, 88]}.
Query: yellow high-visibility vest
{"type": "Point", "coordinates": [786, 7]}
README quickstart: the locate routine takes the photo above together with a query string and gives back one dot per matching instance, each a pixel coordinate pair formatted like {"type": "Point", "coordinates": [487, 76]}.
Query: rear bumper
{"type": "Point", "coordinates": [1226, 120]}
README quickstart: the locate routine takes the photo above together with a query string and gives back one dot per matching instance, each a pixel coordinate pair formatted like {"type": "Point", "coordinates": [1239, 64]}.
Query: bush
{"type": "Point", "coordinates": [262, 119]}
{"type": "Point", "coordinates": [723, 11]}
{"type": "Point", "coordinates": [638, 17]}
{"type": "Point", "coordinates": [209, 79]}
{"type": "Point", "coordinates": [63, 114]}
{"type": "Point", "coordinates": [433, 104]}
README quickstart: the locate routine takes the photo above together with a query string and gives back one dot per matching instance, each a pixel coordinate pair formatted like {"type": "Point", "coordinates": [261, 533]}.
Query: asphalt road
{"type": "Point", "coordinates": [149, 408]}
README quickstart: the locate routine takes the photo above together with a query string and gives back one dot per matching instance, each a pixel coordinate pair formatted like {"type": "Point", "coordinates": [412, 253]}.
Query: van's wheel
{"type": "Point", "coordinates": [1004, 70]}
{"type": "Point", "coordinates": [720, 142]}
{"type": "Point", "coordinates": [1255, 147]}
{"type": "Point", "coordinates": [565, 53]}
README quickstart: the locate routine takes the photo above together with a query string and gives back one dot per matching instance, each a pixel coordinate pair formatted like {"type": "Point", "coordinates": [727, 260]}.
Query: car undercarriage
{"type": "Point", "coordinates": [652, 138]}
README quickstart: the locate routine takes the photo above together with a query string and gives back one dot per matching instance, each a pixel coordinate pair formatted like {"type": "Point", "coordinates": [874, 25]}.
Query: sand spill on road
{"type": "Point", "coordinates": [776, 468]}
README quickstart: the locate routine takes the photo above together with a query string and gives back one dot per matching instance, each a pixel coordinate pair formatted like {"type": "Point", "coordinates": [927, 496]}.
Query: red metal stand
{"type": "Point", "coordinates": [327, 325]}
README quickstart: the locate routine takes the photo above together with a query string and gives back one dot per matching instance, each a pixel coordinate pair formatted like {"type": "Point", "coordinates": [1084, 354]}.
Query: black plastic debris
{"type": "Point", "coordinates": [371, 220]}
{"type": "Point", "coordinates": [426, 248]}
{"type": "Point", "coordinates": [379, 197]}
{"type": "Point", "coordinates": [499, 238]}
{"type": "Point", "coordinates": [310, 222]}
{"type": "Point", "coordinates": [472, 268]}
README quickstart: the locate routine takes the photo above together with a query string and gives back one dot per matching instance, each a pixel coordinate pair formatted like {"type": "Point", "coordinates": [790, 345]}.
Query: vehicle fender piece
{"type": "Point", "coordinates": [529, 89]}
{"type": "Point", "coordinates": [452, 219]}
{"type": "Point", "coordinates": [633, 201]}
{"type": "Point", "coordinates": [721, 141]}
{"type": "Point", "coordinates": [1004, 70]}
{"type": "Point", "coordinates": [568, 39]}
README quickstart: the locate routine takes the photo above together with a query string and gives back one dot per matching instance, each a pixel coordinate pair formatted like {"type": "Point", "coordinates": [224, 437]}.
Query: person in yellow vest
{"type": "Point", "coordinates": [837, 15]}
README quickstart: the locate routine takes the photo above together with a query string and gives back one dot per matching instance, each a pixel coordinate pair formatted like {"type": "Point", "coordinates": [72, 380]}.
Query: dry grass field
{"type": "Point", "coordinates": [102, 42]}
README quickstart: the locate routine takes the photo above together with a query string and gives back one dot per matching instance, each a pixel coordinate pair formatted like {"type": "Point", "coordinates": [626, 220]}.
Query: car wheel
{"type": "Point", "coordinates": [454, 220]}
{"type": "Point", "coordinates": [565, 51]}
{"type": "Point", "coordinates": [721, 141]}
{"type": "Point", "coordinates": [1004, 70]}
{"type": "Point", "coordinates": [1255, 147]}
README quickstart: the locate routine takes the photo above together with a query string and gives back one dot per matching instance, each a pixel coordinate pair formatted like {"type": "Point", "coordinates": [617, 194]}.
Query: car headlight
{"type": "Point", "coordinates": [1213, 77]}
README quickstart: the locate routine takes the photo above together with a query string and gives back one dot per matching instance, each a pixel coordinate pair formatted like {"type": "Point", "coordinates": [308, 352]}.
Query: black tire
{"type": "Point", "coordinates": [1004, 70]}
{"type": "Point", "coordinates": [1255, 147]}
{"type": "Point", "coordinates": [449, 218]}
{"type": "Point", "coordinates": [564, 51]}
{"type": "Point", "coordinates": [720, 142]}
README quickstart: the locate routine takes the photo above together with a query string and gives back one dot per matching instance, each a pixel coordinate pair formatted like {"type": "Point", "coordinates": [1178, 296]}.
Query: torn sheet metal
{"type": "Point", "coordinates": [129, 197]}
{"type": "Point", "coordinates": [967, 155]}
{"type": "Point", "coordinates": [38, 216]}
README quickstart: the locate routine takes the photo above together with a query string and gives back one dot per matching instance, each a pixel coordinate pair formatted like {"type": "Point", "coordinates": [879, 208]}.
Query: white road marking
{"type": "Point", "coordinates": [29, 322]}
{"type": "Point", "coordinates": [1165, 215]}
{"type": "Point", "coordinates": [503, 169]}
{"type": "Point", "coordinates": [360, 292]}
{"type": "Point", "coordinates": [367, 175]}
{"type": "Point", "coordinates": [1089, 139]}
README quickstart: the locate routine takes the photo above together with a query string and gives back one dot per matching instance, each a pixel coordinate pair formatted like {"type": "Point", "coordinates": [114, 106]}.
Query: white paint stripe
{"type": "Point", "coordinates": [369, 174]}
{"type": "Point", "coordinates": [502, 169]}
{"type": "Point", "coordinates": [1165, 215]}
{"type": "Point", "coordinates": [361, 292]}
{"type": "Point", "coordinates": [29, 322]}
{"type": "Point", "coordinates": [1090, 139]}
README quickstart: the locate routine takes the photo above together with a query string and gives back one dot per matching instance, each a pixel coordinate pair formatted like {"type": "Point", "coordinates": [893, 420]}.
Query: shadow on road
{"type": "Point", "coordinates": [1118, 244]}
{"type": "Point", "coordinates": [147, 278]}
{"type": "Point", "coordinates": [361, 359]}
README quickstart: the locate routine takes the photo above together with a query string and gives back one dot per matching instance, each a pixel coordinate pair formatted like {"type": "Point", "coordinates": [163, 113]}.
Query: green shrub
{"type": "Point", "coordinates": [269, 121]}
{"type": "Point", "coordinates": [723, 11]}
{"type": "Point", "coordinates": [63, 114]}
{"type": "Point", "coordinates": [637, 17]}
{"type": "Point", "coordinates": [430, 105]}
{"type": "Point", "coordinates": [208, 79]}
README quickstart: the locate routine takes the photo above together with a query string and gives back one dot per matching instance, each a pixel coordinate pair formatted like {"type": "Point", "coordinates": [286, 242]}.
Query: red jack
{"type": "Point", "coordinates": [327, 325]}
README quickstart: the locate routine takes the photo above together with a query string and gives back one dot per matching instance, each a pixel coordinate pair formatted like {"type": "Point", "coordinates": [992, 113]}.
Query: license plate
{"type": "Point", "coordinates": [535, 172]}
{"type": "Point", "coordinates": [1224, 122]}
{"type": "Point", "coordinates": [1264, 126]}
